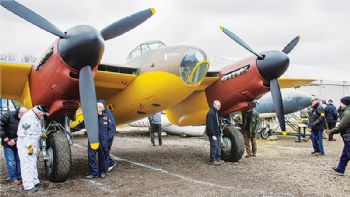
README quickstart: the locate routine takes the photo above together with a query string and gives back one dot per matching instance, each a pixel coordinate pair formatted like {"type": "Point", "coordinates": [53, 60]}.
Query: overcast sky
{"type": "Point", "coordinates": [263, 24]}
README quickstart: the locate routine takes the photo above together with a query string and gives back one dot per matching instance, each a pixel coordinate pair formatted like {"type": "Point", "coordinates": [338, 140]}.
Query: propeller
{"type": "Point", "coordinates": [271, 65]}
{"type": "Point", "coordinates": [31, 17]}
{"type": "Point", "coordinates": [240, 41]}
{"type": "Point", "coordinates": [290, 46]}
{"type": "Point", "coordinates": [126, 24]}
{"type": "Point", "coordinates": [81, 48]}
{"type": "Point", "coordinates": [278, 103]}
{"type": "Point", "coordinates": [88, 104]}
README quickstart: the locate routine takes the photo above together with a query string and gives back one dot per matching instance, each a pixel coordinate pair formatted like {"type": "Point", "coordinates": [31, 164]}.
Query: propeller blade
{"type": "Point", "coordinates": [278, 104]}
{"type": "Point", "coordinates": [126, 24]}
{"type": "Point", "coordinates": [89, 105]}
{"type": "Point", "coordinates": [31, 17]}
{"type": "Point", "coordinates": [240, 41]}
{"type": "Point", "coordinates": [290, 46]}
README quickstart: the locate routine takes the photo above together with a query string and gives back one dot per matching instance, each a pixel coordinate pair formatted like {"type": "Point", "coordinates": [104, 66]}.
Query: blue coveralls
{"type": "Point", "coordinates": [110, 133]}
{"type": "Point", "coordinates": [96, 168]}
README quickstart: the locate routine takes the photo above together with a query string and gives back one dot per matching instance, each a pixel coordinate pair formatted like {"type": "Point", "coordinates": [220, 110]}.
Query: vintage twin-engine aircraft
{"type": "Point", "coordinates": [186, 91]}
{"type": "Point", "coordinates": [156, 78]}
{"type": "Point", "coordinates": [62, 78]}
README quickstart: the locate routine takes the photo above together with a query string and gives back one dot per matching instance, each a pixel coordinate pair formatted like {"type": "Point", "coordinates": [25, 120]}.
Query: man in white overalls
{"type": "Point", "coordinates": [29, 133]}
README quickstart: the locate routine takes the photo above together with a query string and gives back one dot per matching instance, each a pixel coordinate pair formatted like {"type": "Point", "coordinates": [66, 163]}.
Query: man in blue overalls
{"type": "Point", "coordinates": [99, 168]}
{"type": "Point", "coordinates": [110, 134]}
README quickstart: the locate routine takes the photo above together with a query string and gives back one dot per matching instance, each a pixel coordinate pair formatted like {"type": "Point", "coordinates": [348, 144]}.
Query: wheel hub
{"type": "Point", "coordinates": [49, 161]}
{"type": "Point", "coordinates": [226, 144]}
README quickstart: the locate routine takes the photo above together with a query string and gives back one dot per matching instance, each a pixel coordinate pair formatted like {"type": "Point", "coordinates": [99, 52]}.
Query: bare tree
{"type": "Point", "coordinates": [12, 57]}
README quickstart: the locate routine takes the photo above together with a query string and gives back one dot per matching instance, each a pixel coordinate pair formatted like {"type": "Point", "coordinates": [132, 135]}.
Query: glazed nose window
{"type": "Point", "coordinates": [194, 66]}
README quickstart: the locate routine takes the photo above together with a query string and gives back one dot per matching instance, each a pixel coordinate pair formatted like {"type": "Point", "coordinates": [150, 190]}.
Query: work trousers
{"type": "Point", "coordinates": [28, 161]}
{"type": "Point", "coordinates": [345, 157]}
{"type": "Point", "coordinates": [317, 141]}
{"type": "Point", "coordinates": [215, 148]}
{"type": "Point", "coordinates": [247, 141]}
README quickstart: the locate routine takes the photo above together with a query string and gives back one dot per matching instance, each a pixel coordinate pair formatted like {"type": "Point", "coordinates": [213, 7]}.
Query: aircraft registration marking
{"type": "Point", "coordinates": [235, 73]}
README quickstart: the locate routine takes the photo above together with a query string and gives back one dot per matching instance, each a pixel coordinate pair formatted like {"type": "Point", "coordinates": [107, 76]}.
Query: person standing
{"type": "Point", "coordinates": [98, 168]}
{"type": "Point", "coordinates": [214, 132]}
{"type": "Point", "coordinates": [251, 124]}
{"type": "Point", "coordinates": [29, 133]}
{"type": "Point", "coordinates": [8, 133]}
{"type": "Point", "coordinates": [110, 134]}
{"type": "Point", "coordinates": [344, 129]}
{"type": "Point", "coordinates": [155, 121]}
{"type": "Point", "coordinates": [317, 125]}
{"type": "Point", "coordinates": [331, 114]}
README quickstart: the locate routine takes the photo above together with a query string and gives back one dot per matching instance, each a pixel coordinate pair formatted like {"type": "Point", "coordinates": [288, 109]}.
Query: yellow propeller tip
{"type": "Point", "coordinates": [153, 11]}
{"type": "Point", "coordinates": [221, 28]}
{"type": "Point", "coordinates": [284, 133]}
{"type": "Point", "coordinates": [94, 146]}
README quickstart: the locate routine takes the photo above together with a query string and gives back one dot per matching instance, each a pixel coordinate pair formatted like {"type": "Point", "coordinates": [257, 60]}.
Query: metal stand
{"type": "Point", "coordinates": [301, 126]}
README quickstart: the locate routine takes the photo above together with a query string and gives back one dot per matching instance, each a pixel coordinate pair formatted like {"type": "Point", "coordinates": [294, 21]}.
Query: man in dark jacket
{"type": "Point", "coordinates": [214, 133]}
{"type": "Point", "coordinates": [317, 125]}
{"type": "Point", "coordinates": [344, 129]}
{"type": "Point", "coordinates": [8, 133]}
{"type": "Point", "coordinates": [331, 115]}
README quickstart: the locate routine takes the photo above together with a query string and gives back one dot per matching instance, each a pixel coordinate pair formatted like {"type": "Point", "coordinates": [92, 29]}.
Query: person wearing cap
{"type": "Point", "coordinates": [251, 125]}
{"type": "Point", "coordinates": [344, 129]}
{"type": "Point", "coordinates": [8, 133]}
{"type": "Point", "coordinates": [317, 124]}
{"type": "Point", "coordinates": [98, 168]}
{"type": "Point", "coordinates": [331, 114]}
{"type": "Point", "coordinates": [110, 134]}
{"type": "Point", "coordinates": [29, 133]}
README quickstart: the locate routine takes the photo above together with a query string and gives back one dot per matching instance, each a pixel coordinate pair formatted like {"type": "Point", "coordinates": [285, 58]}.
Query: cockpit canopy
{"type": "Point", "coordinates": [143, 48]}
{"type": "Point", "coordinates": [194, 66]}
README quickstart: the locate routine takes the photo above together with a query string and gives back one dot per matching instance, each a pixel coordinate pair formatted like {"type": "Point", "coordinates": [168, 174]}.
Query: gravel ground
{"type": "Point", "coordinates": [180, 168]}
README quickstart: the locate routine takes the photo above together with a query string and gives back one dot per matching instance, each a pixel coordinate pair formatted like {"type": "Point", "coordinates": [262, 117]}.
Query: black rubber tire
{"type": "Point", "coordinates": [60, 168]}
{"type": "Point", "coordinates": [265, 133]}
{"type": "Point", "coordinates": [237, 144]}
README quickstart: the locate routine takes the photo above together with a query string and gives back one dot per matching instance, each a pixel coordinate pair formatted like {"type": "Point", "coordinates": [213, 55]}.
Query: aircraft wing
{"type": "Point", "coordinates": [14, 81]}
{"type": "Point", "coordinates": [294, 82]}
{"type": "Point", "coordinates": [110, 79]}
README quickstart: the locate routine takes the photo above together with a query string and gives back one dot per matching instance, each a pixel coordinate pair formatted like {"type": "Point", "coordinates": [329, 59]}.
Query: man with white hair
{"type": "Point", "coordinates": [29, 133]}
{"type": "Point", "coordinates": [214, 133]}
{"type": "Point", "coordinates": [8, 133]}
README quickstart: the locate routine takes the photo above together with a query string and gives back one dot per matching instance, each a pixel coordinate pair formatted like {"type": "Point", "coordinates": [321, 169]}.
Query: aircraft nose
{"type": "Point", "coordinates": [273, 65]}
{"type": "Point", "coordinates": [82, 46]}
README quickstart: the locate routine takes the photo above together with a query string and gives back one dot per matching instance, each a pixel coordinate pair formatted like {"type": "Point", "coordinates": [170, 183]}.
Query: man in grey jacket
{"type": "Point", "coordinates": [156, 127]}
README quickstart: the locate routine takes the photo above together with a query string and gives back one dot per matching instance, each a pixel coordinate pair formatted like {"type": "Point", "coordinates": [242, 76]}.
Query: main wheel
{"type": "Point", "coordinates": [58, 165]}
{"type": "Point", "coordinates": [233, 144]}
